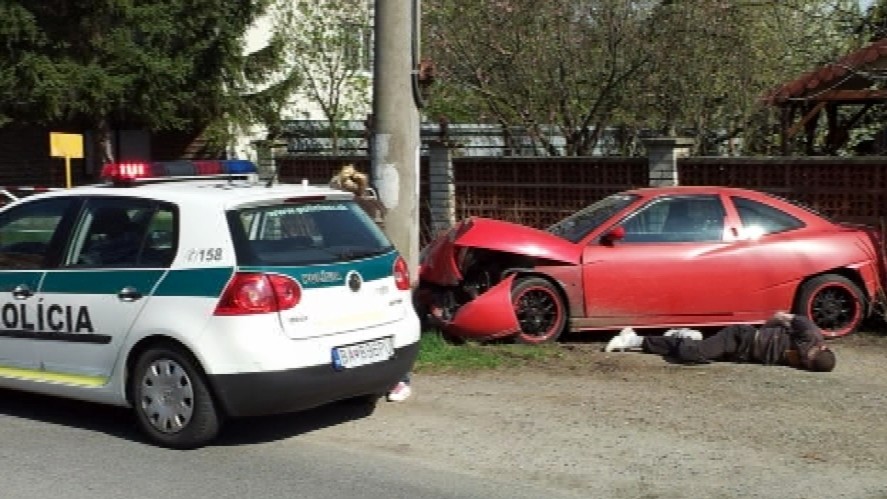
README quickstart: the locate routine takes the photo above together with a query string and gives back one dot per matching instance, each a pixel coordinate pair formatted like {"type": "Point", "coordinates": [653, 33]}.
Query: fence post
{"type": "Point", "coordinates": [267, 152]}
{"type": "Point", "coordinates": [663, 154]}
{"type": "Point", "coordinates": [441, 187]}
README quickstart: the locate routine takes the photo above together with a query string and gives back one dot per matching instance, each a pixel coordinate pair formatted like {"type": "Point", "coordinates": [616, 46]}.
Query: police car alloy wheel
{"type": "Point", "coordinates": [172, 403]}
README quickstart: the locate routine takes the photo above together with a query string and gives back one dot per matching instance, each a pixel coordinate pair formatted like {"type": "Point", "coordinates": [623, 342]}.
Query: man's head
{"type": "Point", "coordinates": [821, 359]}
{"type": "Point", "coordinates": [351, 180]}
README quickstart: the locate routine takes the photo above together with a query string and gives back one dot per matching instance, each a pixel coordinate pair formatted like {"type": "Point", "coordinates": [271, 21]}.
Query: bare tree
{"type": "Point", "coordinates": [717, 60]}
{"type": "Point", "coordinates": [573, 68]}
{"type": "Point", "coordinates": [526, 64]}
{"type": "Point", "coordinates": [330, 43]}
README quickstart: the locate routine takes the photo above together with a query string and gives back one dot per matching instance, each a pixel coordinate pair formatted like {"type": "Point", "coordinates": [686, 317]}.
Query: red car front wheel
{"type": "Point", "coordinates": [540, 310]}
{"type": "Point", "coordinates": [834, 303]}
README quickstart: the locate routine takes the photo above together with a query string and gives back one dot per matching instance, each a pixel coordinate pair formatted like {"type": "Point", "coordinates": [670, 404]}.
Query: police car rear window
{"type": "Point", "coordinates": [305, 234]}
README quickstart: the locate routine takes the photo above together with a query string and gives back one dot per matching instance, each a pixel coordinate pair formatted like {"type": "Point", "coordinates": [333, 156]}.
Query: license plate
{"type": "Point", "coordinates": [361, 354]}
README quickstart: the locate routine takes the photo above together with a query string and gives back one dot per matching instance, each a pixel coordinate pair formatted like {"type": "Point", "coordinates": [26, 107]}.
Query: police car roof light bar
{"type": "Point", "coordinates": [128, 173]}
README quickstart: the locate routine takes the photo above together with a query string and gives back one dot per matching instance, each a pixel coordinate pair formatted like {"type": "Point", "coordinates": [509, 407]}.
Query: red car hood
{"type": "Point", "coordinates": [439, 264]}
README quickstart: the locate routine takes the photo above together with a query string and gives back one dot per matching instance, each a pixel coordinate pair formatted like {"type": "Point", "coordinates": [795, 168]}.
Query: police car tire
{"type": "Point", "coordinates": [205, 419]}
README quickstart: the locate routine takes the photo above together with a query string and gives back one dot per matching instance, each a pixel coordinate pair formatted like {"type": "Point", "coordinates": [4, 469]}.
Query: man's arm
{"type": "Point", "coordinates": [802, 330]}
{"type": "Point", "coordinates": [806, 338]}
{"type": "Point", "coordinates": [799, 327]}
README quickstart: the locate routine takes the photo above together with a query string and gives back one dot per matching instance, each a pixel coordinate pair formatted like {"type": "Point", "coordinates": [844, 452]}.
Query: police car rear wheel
{"type": "Point", "coordinates": [173, 405]}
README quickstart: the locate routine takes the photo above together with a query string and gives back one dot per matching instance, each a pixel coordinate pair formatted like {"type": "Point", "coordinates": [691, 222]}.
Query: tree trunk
{"type": "Point", "coordinates": [104, 142]}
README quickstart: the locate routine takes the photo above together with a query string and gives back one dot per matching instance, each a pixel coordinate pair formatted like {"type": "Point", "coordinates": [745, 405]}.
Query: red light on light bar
{"type": "Point", "coordinates": [126, 171]}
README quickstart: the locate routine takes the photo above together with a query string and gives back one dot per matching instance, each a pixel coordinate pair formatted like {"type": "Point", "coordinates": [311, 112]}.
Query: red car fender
{"type": "Point", "coordinates": [489, 316]}
{"type": "Point", "coordinates": [439, 264]}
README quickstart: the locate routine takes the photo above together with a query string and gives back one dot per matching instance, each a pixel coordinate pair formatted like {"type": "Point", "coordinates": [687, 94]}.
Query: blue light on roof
{"type": "Point", "coordinates": [238, 166]}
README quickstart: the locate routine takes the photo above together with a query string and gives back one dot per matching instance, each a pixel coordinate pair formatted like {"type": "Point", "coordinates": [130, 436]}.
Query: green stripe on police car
{"type": "Point", "coordinates": [334, 274]}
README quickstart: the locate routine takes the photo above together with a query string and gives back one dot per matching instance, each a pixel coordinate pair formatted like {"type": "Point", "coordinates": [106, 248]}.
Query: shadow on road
{"type": "Point", "coordinates": [282, 426]}
{"type": "Point", "coordinates": [113, 421]}
{"type": "Point", "coordinates": [120, 422]}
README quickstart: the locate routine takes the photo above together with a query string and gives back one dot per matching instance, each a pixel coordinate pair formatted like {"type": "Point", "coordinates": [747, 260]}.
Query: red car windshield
{"type": "Point", "coordinates": [580, 224]}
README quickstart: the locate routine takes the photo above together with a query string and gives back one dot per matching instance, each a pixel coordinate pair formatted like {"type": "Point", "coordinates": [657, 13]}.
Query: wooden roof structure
{"type": "Point", "coordinates": [852, 80]}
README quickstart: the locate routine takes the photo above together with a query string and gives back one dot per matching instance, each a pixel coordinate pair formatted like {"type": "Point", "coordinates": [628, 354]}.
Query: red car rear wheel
{"type": "Point", "coordinates": [540, 310]}
{"type": "Point", "coordinates": [832, 302]}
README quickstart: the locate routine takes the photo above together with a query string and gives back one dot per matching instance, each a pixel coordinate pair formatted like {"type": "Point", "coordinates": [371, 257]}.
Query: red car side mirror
{"type": "Point", "coordinates": [613, 235]}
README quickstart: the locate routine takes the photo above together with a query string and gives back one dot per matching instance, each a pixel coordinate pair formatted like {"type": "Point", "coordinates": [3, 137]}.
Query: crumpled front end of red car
{"type": "Point", "coordinates": [467, 275]}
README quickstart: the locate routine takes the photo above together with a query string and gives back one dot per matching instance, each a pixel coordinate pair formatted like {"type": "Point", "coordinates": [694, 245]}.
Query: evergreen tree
{"type": "Point", "coordinates": [104, 64]}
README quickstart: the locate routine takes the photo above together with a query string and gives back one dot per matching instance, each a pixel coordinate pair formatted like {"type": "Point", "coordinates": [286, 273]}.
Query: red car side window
{"type": "Point", "coordinates": [761, 219]}
{"type": "Point", "coordinates": [678, 219]}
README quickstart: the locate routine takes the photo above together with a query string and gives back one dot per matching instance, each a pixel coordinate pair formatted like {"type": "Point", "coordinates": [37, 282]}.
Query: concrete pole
{"type": "Point", "coordinates": [395, 149]}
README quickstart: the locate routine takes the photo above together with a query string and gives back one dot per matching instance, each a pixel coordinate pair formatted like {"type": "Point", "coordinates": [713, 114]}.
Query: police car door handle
{"type": "Point", "coordinates": [21, 292]}
{"type": "Point", "coordinates": [129, 294]}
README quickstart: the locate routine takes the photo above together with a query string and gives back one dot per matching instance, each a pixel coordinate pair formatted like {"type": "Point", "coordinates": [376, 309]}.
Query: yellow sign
{"type": "Point", "coordinates": [68, 146]}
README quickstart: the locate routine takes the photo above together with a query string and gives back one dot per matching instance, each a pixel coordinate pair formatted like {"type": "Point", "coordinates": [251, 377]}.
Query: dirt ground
{"type": "Point", "coordinates": [631, 425]}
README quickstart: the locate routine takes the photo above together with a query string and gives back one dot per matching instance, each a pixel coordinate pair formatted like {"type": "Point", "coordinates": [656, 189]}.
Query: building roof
{"type": "Point", "coordinates": [848, 79]}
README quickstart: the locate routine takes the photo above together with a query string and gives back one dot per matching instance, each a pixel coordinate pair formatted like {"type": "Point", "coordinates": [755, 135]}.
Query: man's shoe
{"type": "Point", "coordinates": [400, 392]}
{"type": "Point", "coordinates": [627, 339]}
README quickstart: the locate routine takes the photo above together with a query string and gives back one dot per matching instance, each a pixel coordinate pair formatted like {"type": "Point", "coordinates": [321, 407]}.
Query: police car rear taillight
{"type": "Point", "coordinates": [255, 293]}
{"type": "Point", "coordinates": [401, 274]}
{"type": "Point", "coordinates": [286, 290]}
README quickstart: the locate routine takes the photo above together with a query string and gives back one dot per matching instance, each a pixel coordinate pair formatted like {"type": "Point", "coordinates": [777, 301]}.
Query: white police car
{"type": "Point", "coordinates": [195, 299]}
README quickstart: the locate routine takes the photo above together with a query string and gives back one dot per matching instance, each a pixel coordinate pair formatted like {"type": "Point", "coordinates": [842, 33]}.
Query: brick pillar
{"type": "Point", "coordinates": [264, 158]}
{"type": "Point", "coordinates": [441, 186]}
{"type": "Point", "coordinates": [663, 154]}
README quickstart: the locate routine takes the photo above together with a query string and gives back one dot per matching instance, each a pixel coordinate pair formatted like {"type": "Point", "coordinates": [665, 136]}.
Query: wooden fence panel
{"type": "Point", "coordinates": [846, 189]}
{"type": "Point", "coordinates": [540, 191]}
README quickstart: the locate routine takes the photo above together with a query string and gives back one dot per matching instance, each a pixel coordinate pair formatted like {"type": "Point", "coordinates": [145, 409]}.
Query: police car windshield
{"type": "Point", "coordinates": [305, 234]}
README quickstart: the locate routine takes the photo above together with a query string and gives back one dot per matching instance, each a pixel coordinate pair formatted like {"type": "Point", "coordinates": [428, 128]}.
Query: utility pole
{"type": "Point", "coordinates": [395, 148]}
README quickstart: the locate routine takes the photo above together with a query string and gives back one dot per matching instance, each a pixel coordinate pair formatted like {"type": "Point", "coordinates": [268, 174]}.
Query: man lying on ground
{"type": "Point", "coordinates": [786, 339]}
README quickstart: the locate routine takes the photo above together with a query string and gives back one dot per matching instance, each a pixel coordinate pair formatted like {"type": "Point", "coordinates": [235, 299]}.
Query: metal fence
{"type": "Point", "coordinates": [847, 189]}
{"type": "Point", "coordinates": [539, 191]}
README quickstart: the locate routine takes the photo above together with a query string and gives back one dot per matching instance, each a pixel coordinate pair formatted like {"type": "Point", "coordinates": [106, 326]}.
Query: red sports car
{"type": "Point", "coordinates": [652, 258]}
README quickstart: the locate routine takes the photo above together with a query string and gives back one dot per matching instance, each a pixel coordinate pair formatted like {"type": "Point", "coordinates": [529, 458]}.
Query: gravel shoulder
{"type": "Point", "coordinates": [617, 425]}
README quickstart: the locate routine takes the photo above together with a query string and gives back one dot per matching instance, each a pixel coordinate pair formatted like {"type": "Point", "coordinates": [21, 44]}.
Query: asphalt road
{"type": "Point", "coordinates": [59, 448]}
